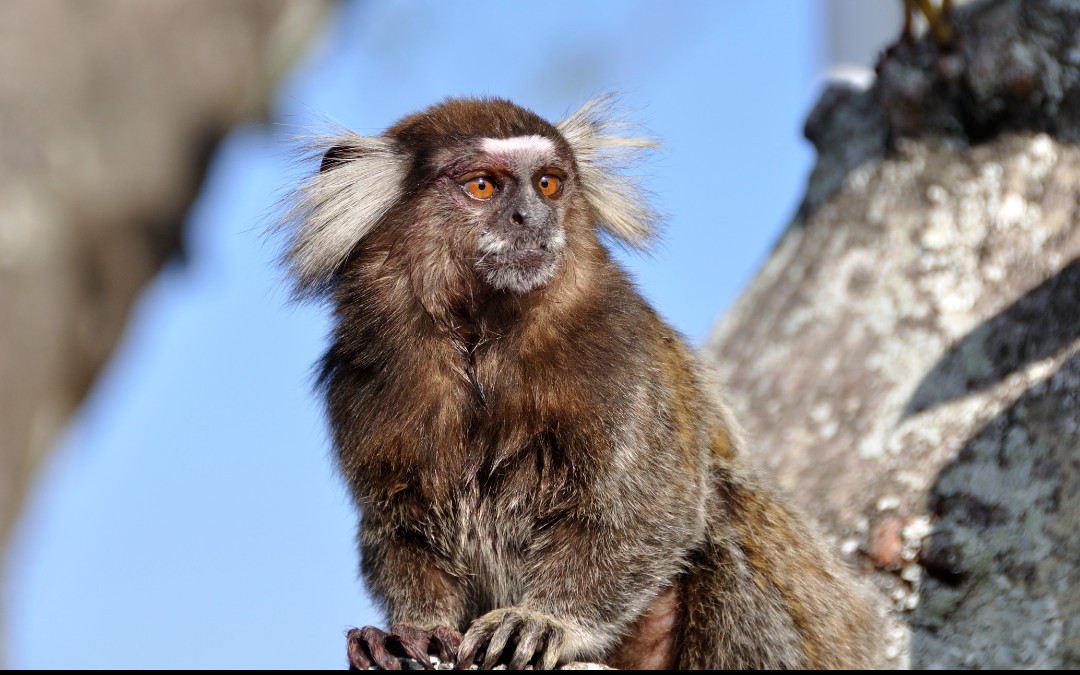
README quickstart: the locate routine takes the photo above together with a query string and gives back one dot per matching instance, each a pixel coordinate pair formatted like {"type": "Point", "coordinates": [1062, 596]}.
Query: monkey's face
{"type": "Point", "coordinates": [467, 195]}
{"type": "Point", "coordinates": [513, 195]}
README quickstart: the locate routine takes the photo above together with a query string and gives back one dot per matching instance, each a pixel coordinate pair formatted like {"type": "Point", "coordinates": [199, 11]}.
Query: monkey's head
{"type": "Point", "coordinates": [468, 191]}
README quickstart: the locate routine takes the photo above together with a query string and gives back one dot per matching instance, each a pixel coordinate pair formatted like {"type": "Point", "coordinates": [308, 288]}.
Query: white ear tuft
{"type": "Point", "coordinates": [619, 205]}
{"type": "Point", "coordinates": [360, 181]}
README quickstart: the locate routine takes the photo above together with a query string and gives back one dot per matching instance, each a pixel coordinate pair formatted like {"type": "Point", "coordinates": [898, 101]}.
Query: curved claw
{"type": "Point", "coordinates": [467, 649]}
{"type": "Point", "coordinates": [552, 650]}
{"type": "Point", "coordinates": [528, 641]}
{"type": "Point", "coordinates": [498, 641]}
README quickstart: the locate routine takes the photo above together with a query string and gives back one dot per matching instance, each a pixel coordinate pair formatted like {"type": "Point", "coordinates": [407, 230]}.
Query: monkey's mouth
{"type": "Point", "coordinates": [521, 266]}
{"type": "Point", "coordinates": [528, 254]}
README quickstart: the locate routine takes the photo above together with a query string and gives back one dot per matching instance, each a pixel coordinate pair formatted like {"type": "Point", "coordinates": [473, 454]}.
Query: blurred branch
{"type": "Point", "coordinates": [109, 111]}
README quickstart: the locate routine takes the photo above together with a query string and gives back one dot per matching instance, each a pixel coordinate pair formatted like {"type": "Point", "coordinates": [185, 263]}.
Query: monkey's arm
{"type": "Point", "coordinates": [425, 603]}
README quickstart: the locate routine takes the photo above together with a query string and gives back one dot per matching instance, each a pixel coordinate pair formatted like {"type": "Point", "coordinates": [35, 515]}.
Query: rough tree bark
{"type": "Point", "coordinates": [108, 113]}
{"type": "Point", "coordinates": [908, 359]}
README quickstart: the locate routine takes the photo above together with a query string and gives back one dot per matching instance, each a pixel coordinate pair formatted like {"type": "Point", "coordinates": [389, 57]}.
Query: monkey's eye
{"type": "Point", "coordinates": [549, 185]}
{"type": "Point", "coordinates": [480, 187]}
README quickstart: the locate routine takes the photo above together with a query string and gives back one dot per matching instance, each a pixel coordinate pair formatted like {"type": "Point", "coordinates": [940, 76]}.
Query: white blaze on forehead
{"type": "Point", "coordinates": [532, 148]}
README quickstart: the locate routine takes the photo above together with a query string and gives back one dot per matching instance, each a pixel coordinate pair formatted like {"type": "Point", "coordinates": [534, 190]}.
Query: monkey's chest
{"type": "Point", "coordinates": [512, 479]}
{"type": "Point", "coordinates": [497, 528]}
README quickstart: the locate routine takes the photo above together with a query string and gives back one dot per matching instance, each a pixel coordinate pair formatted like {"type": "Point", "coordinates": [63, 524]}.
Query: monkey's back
{"type": "Point", "coordinates": [761, 589]}
{"type": "Point", "coordinates": [765, 592]}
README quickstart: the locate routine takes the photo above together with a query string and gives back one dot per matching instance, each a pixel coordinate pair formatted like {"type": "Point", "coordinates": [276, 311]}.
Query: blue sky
{"type": "Point", "coordinates": [191, 516]}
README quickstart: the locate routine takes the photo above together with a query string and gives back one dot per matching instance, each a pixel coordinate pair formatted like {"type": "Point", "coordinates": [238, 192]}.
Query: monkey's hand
{"type": "Point", "coordinates": [535, 638]}
{"type": "Point", "coordinates": [369, 646]}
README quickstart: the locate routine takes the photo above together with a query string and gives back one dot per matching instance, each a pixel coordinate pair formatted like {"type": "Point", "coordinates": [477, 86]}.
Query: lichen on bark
{"type": "Point", "coordinates": [907, 359]}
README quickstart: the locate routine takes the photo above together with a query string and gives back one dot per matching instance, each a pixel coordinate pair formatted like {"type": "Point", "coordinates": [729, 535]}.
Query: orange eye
{"type": "Point", "coordinates": [480, 187]}
{"type": "Point", "coordinates": [549, 185]}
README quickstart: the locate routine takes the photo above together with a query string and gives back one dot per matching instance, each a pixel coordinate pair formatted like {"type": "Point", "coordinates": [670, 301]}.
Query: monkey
{"type": "Point", "coordinates": [544, 471]}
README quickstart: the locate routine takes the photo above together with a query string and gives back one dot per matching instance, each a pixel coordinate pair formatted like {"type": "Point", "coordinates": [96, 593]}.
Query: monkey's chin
{"type": "Point", "coordinates": [518, 271]}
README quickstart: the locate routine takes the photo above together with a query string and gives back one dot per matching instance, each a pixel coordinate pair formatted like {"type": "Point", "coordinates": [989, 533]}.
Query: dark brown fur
{"type": "Point", "coordinates": [557, 456]}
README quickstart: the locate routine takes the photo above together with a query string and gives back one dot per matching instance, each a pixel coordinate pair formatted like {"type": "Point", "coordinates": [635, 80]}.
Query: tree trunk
{"type": "Point", "coordinates": [908, 359]}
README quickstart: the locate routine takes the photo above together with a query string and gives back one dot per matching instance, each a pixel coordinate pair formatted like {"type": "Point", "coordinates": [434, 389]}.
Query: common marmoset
{"type": "Point", "coordinates": [542, 470]}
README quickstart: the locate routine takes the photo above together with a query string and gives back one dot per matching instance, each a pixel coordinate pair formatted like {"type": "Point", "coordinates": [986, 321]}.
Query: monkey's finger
{"type": "Point", "coordinates": [468, 648]}
{"type": "Point", "coordinates": [413, 642]}
{"type": "Point", "coordinates": [528, 639]}
{"type": "Point", "coordinates": [552, 650]}
{"type": "Point", "coordinates": [415, 652]}
{"type": "Point", "coordinates": [367, 647]}
{"type": "Point", "coordinates": [358, 656]}
{"type": "Point", "coordinates": [376, 642]}
{"type": "Point", "coordinates": [498, 641]}
{"type": "Point", "coordinates": [447, 641]}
